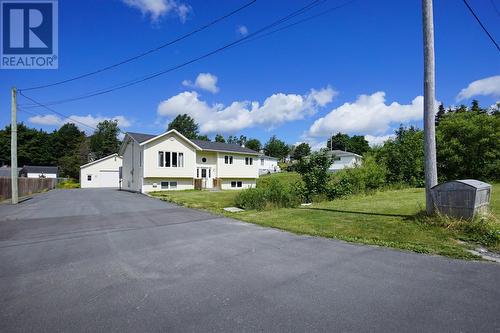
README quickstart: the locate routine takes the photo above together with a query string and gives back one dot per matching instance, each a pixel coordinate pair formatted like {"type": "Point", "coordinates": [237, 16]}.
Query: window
{"type": "Point", "coordinates": [248, 160]}
{"type": "Point", "coordinates": [89, 178]}
{"type": "Point", "coordinates": [261, 161]}
{"type": "Point", "coordinates": [167, 159]}
{"type": "Point", "coordinates": [336, 158]}
{"type": "Point", "coordinates": [160, 159]}
{"type": "Point", "coordinates": [209, 173]}
{"type": "Point", "coordinates": [203, 173]}
{"type": "Point", "coordinates": [173, 185]}
{"type": "Point", "coordinates": [233, 184]}
{"type": "Point", "coordinates": [204, 159]}
{"type": "Point", "coordinates": [140, 158]}
{"type": "Point", "coordinates": [228, 159]}
{"type": "Point", "coordinates": [164, 185]}
{"type": "Point", "coordinates": [170, 159]}
{"type": "Point", "coordinates": [198, 173]}
{"type": "Point", "coordinates": [238, 184]}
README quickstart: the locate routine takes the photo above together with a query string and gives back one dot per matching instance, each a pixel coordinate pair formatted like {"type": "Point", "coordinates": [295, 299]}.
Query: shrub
{"type": "Point", "coordinates": [273, 193]}
{"type": "Point", "coordinates": [68, 184]}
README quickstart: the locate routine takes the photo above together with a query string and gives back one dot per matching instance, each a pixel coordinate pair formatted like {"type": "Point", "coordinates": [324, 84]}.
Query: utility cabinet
{"type": "Point", "coordinates": [462, 198]}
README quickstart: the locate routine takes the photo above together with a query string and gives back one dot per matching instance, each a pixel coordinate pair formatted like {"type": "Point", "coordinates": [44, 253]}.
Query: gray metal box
{"type": "Point", "coordinates": [462, 198]}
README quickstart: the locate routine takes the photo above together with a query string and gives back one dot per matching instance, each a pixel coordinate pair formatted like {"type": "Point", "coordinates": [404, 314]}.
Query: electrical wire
{"type": "Point", "coordinates": [145, 53]}
{"type": "Point", "coordinates": [481, 24]}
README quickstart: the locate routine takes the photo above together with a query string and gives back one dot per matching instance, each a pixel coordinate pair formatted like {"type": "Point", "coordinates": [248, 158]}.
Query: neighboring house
{"type": "Point", "coordinates": [170, 161]}
{"type": "Point", "coordinates": [38, 171]}
{"type": "Point", "coordinates": [268, 164]}
{"type": "Point", "coordinates": [5, 171]}
{"type": "Point", "coordinates": [104, 172]}
{"type": "Point", "coordinates": [344, 159]}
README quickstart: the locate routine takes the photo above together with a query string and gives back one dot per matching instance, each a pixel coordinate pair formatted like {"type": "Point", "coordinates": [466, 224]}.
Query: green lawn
{"type": "Point", "coordinates": [385, 218]}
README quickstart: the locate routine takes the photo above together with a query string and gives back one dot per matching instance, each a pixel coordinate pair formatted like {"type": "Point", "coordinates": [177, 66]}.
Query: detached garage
{"type": "Point", "coordinates": [101, 173]}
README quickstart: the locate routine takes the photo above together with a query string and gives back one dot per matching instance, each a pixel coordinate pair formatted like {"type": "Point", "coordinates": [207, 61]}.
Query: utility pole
{"type": "Point", "coordinates": [13, 147]}
{"type": "Point", "coordinates": [429, 97]}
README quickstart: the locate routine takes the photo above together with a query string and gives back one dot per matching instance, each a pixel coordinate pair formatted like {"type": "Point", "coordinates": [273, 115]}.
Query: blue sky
{"type": "Point", "coordinates": [357, 69]}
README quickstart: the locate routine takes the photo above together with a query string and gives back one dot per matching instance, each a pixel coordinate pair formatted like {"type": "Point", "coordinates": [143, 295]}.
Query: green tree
{"type": "Point", "coordinates": [468, 145]}
{"type": "Point", "coordinates": [314, 172]}
{"type": "Point", "coordinates": [203, 138]}
{"type": "Point", "coordinates": [185, 125]}
{"type": "Point", "coordinates": [105, 140]}
{"type": "Point", "coordinates": [339, 141]}
{"type": "Point", "coordinates": [301, 151]}
{"type": "Point", "coordinates": [232, 140]}
{"type": "Point", "coordinates": [358, 145]}
{"type": "Point", "coordinates": [404, 157]}
{"type": "Point", "coordinates": [219, 138]}
{"type": "Point", "coordinates": [67, 144]}
{"type": "Point", "coordinates": [440, 114]}
{"type": "Point", "coordinates": [254, 144]}
{"type": "Point", "coordinates": [276, 148]}
{"type": "Point", "coordinates": [33, 146]}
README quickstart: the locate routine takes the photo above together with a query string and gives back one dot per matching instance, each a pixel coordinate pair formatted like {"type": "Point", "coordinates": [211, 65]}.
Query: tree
{"type": "Point", "coordinates": [358, 145]}
{"type": "Point", "coordinates": [66, 148]}
{"type": "Point", "coordinates": [254, 144]}
{"type": "Point", "coordinates": [185, 125]}
{"type": "Point", "coordinates": [242, 140]}
{"type": "Point", "coordinates": [314, 172]}
{"type": "Point", "coordinates": [469, 146]}
{"type": "Point", "coordinates": [339, 141]}
{"type": "Point", "coordinates": [203, 138]}
{"type": "Point", "coordinates": [232, 139]}
{"type": "Point", "coordinates": [276, 148]}
{"type": "Point", "coordinates": [440, 114]}
{"type": "Point", "coordinates": [404, 157]}
{"type": "Point", "coordinates": [105, 140]}
{"type": "Point", "coordinates": [219, 138]}
{"type": "Point", "coordinates": [301, 151]}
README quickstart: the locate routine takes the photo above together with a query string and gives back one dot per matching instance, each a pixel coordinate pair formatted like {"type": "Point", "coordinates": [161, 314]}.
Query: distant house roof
{"type": "Point", "coordinates": [269, 157]}
{"type": "Point", "coordinates": [341, 153]}
{"type": "Point", "coordinates": [40, 169]}
{"type": "Point", "coordinates": [100, 160]}
{"type": "Point", "coordinates": [204, 145]}
{"type": "Point", "coordinates": [5, 171]}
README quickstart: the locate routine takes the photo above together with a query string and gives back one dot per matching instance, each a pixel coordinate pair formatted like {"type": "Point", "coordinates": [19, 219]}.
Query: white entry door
{"type": "Point", "coordinates": [109, 178]}
{"type": "Point", "coordinates": [206, 176]}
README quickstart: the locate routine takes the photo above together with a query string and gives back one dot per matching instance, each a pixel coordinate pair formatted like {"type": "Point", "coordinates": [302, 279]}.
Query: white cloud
{"type": "Point", "coordinates": [489, 86]}
{"type": "Point", "coordinates": [378, 140]}
{"type": "Point", "coordinates": [368, 115]}
{"type": "Point", "coordinates": [89, 120]}
{"type": "Point", "coordinates": [158, 8]}
{"type": "Point", "coordinates": [276, 109]}
{"type": "Point", "coordinates": [242, 30]}
{"type": "Point", "coordinates": [205, 81]}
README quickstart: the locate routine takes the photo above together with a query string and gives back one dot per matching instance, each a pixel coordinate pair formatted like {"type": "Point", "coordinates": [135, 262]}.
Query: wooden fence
{"type": "Point", "coordinates": [26, 186]}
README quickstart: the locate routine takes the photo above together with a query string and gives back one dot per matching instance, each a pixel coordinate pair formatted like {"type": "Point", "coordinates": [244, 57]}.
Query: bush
{"type": "Point", "coordinates": [68, 184]}
{"type": "Point", "coordinates": [366, 178]}
{"type": "Point", "coordinates": [271, 194]}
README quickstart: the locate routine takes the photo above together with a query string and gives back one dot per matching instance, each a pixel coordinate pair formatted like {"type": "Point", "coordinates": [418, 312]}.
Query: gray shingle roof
{"type": "Point", "coordinates": [5, 171]}
{"type": "Point", "coordinates": [40, 169]}
{"type": "Point", "coordinates": [205, 145]}
{"type": "Point", "coordinates": [140, 137]}
{"type": "Point", "coordinates": [219, 146]}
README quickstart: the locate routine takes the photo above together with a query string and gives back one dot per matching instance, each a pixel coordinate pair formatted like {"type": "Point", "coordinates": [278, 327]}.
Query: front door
{"type": "Point", "coordinates": [206, 176]}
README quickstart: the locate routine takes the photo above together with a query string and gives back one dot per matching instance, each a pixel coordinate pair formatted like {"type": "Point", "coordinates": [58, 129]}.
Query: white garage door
{"type": "Point", "coordinates": [109, 178]}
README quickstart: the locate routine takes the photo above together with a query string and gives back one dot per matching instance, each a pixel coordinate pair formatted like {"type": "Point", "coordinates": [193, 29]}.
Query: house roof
{"type": "Point", "coordinates": [99, 160]}
{"type": "Point", "coordinates": [5, 171]}
{"type": "Point", "coordinates": [341, 153]}
{"type": "Point", "coordinates": [203, 145]}
{"type": "Point", "coordinates": [269, 157]}
{"type": "Point", "coordinates": [40, 169]}
{"type": "Point", "coordinates": [227, 147]}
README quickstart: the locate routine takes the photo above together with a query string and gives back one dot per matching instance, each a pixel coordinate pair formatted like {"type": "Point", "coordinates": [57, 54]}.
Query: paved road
{"type": "Point", "coordinates": [110, 261]}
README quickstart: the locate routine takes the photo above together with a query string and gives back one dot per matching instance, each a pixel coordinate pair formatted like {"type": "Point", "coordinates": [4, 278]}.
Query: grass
{"type": "Point", "coordinates": [390, 218]}
{"type": "Point", "coordinates": [68, 184]}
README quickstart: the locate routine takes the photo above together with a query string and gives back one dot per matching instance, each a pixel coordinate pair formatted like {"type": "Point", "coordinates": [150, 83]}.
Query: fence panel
{"type": "Point", "coordinates": [26, 186]}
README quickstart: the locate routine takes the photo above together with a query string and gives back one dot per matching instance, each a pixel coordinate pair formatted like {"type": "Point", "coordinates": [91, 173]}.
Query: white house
{"type": "Point", "coordinates": [104, 172]}
{"type": "Point", "coordinates": [37, 171]}
{"type": "Point", "coordinates": [170, 161]}
{"type": "Point", "coordinates": [344, 159]}
{"type": "Point", "coordinates": [268, 164]}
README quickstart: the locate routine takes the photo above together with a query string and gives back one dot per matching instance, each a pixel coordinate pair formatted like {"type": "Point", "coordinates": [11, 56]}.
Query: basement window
{"type": "Point", "coordinates": [89, 178]}
{"type": "Point", "coordinates": [164, 185]}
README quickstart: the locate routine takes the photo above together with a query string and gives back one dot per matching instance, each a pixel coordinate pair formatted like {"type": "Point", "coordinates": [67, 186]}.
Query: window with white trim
{"type": "Point", "coordinates": [228, 159]}
{"type": "Point", "coordinates": [261, 161]}
{"type": "Point", "coordinates": [167, 159]}
{"type": "Point", "coordinates": [236, 184]}
{"type": "Point", "coordinates": [164, 185]}
{"type": "Point", "coordinates": [89, 178]}
{"type": "Point", "coordinates": [249, 160]}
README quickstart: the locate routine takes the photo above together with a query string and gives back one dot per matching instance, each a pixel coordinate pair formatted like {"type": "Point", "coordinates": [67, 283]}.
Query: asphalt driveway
{"type": "Point", "coordinates": [111, 261]}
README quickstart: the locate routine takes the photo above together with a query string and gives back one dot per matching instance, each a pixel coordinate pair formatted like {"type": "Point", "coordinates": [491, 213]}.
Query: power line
{"type": "Point", "coordinates": [495, 7]}
{"type": "Point", "coordinates": [206, 55]}
{"type": "Point", "coordinates": [145, 53]}
{"type": "Point", "coordinates": [54, 111]}
{"type": "Point", "coordinates": [481, 24]}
